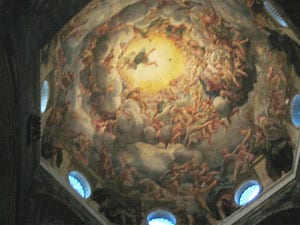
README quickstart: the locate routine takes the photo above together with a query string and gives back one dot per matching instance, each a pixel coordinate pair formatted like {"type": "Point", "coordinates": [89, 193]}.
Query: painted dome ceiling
{"type": "Point", "coordinates": [170, 104]}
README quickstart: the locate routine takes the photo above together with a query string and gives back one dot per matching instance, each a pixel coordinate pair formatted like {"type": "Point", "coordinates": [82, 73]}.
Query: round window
{"type": "Point", "coordinates": [274, 13]}
{"type": "Point", "coordinates": [247, 192]}
{"type": "Point", "coordinates": [161, 217]}
{"type": "Point", "coordinates": [44, 95]}
{"type": "Point", "coordinates": [80, 184]}
{"type": "Point", "coordinates": [295, 110]}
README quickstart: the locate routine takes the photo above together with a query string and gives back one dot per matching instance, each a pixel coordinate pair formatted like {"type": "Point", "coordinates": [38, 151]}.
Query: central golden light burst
{"type": "Point", "coordinates": [151, 63]}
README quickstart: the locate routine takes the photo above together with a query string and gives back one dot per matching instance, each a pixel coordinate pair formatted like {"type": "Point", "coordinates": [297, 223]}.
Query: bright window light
{"type": "Point", "coordinates": [80, 184]}
{"type": "Point", "coordinates": [247, 192]}
{"type": "Point", "coordinates": [274, 13]}
{"type": "Point", "coordinates": [295, 110]}
{"type": "Point", "coordinates": [160, 221]}
{"type": "Point", "coordinates": [161, 217]}
{"type": "Point", "coordinates": [44, 95]}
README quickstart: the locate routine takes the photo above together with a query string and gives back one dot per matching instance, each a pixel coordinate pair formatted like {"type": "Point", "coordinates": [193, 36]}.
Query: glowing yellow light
{"type": "Point", "coordinates": [151, 63]}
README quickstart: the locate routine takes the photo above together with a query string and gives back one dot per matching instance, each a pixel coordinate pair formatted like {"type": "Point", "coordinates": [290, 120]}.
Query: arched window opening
{"type": "Point", "coordinates": [44, 95]}
{"type": "Point", "coordinates": [274, 14]}
{"type": "Point", "coordinates": [295, 110]}
{"type": "Point", "coordinates": [161, 217]}
{"type": "Point", "coordinates": [247, 192]}
{"type": "Point", "coordinates": [80, 184]}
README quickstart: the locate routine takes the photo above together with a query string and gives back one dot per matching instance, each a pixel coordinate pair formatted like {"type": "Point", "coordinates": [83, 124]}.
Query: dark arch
{"type": "Point", "coordinates": [286, 217]}
{"type": "Point", "coordinates": [46, 209]}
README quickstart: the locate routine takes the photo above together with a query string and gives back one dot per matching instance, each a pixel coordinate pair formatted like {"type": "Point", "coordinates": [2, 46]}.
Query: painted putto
{"type": "Point", "coordinates": [170, 104]}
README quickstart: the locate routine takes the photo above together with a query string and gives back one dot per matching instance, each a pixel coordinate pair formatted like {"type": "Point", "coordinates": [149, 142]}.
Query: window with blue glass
{"type": "Point", "coordinates": [295, 110]}
{"type": "Point", "coordinates": [80, 184]}
{"type": "Point", "coordinates": [247, 192]}
{"type": "Point", "coordinates": [270, 8]}
{"type": "Point", "coordinates": [161, 217]}
{"type": "Point", "coordinates": [44, 95]}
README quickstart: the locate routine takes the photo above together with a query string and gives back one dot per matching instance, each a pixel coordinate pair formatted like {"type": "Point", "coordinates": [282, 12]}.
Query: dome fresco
{"type": "Point", "coordinates": [170, 104]}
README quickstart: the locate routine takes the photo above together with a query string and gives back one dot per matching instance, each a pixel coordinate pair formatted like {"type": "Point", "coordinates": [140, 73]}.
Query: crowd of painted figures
{"type": "Point", "coordinates": [218, 69]}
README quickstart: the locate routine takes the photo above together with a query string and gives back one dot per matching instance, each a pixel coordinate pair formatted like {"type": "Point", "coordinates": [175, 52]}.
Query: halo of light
{"type": "Point", "coordinates": [80, 184]}
{"type": "Point", "coordinates": [247, 192]}
{"type": "Point", "coordinates": [275, 14]}
{"type": "Point", "coordinates": [295, 110]}
{"type": "Point", "coordinates": [161, 217]}
{"type": "Point", "coordinates": [165, 62]}
{"type": "Point", "coordinates": [44, 95]}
